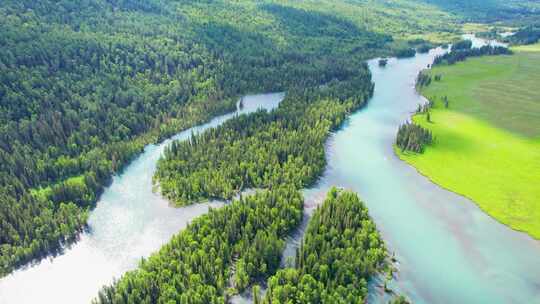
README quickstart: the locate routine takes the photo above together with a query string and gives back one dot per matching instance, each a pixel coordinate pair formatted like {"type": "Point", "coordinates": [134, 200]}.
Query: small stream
{"type": "Point", "coordinates": [129, 222]}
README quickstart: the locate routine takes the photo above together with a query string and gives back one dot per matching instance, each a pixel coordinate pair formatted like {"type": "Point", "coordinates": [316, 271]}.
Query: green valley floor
{"type": "Point", "coordinates": [487, 142]}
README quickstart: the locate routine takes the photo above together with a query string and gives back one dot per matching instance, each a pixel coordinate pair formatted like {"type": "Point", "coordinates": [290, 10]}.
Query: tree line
{"type": "Point", "coordinates": [462, 50]}
{"type": "Point", "coordinates": [526, 35]}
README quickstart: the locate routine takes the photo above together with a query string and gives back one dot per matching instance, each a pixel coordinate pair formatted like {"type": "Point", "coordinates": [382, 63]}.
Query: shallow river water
{"type": "Point", "coordinates": [448, 250]}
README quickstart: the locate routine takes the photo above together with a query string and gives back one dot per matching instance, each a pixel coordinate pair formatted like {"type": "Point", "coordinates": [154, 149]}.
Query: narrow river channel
{"type": "Point", "coordinates": [129, 222]}
{"type": "Point", "coordinates": [448, 250]}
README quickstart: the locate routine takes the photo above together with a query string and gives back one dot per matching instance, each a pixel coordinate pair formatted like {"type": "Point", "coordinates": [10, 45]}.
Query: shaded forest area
{"type": "Point", "coordinates": [509, 11]}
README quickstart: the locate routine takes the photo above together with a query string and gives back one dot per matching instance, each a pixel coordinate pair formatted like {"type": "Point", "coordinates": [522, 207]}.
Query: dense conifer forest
{"type": "Point", "coordinates": [462, 50]}
{"type": "Point", "coordinates": [264, 150]}
{"type": "Point", "coordinates": [227, 250]}
{"type": "Point", "coordinates": [412, 137]}
{"type": "Point", "coordinates": [84, 86]}
{"type": "Point", "coordinates": [341, 251]}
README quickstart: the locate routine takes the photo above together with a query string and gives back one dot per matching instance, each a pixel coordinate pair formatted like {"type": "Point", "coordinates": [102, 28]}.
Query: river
{"type": "Point", "coordinates": [449, 251]}
{"type": "Point", "coordinates": [130, 221]}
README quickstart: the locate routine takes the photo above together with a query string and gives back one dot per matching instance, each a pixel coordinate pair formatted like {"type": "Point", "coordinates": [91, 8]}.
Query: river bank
{"type": "Point", "coordinates": [487, 135]}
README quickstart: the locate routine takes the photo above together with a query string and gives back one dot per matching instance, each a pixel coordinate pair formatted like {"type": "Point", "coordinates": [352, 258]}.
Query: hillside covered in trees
{"type": "Point", "coordinates": [85, 86]}
{"type": "Point", "coordinates": [513, 11]}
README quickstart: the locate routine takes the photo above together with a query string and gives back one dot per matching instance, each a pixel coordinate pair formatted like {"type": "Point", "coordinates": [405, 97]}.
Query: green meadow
{"type": "Point", "coordinates": [487, 142]}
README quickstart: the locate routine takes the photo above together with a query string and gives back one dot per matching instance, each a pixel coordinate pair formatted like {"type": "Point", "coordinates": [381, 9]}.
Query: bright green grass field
{"type": "Point", "coordinates": [487, 143]}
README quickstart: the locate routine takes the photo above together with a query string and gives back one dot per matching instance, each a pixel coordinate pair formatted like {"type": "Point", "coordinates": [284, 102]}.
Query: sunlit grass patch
{"type": "Point", "coordinates": [487, 143]}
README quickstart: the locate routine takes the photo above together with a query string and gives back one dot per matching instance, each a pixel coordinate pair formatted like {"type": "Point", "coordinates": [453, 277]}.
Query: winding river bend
{"type": "Point", "coordinates": [449, 251]}
{"type": "Point", "coordinates": [130, 221]}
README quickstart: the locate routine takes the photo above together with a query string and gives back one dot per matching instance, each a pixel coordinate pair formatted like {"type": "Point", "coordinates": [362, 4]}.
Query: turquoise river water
{"type": "Point", "coordinates": [448, 250]}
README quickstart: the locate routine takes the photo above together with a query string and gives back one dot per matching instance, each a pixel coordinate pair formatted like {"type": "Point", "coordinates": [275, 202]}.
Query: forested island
{"type": "Point", "coordinates": [227, 250]}
{"type": "Point", "coordinates": [263, 150]}
{"type": "Point", "coordinates": [341, 251]}
{"type": "Point", "coordinates": [196, 266]}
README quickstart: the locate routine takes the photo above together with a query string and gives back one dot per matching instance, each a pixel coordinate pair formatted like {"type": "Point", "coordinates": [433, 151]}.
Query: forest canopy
{"type": "Point", "coordinates": [263, 150]}
{"type": "Point", "coordinates": [341, 251]}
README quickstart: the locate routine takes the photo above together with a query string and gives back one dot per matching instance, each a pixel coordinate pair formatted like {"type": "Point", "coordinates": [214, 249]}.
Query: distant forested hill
{"type": "Point", "coordinates": [516, 11]}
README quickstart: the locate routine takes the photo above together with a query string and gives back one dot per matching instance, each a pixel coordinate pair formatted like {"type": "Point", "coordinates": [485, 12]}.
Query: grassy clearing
{"type": "Point", "coordinates": [481, 27]}
{"type": "Point", "coordinates": [502, 90]}
{"type": "Point", "coordinates": [475, 27]}
{"type": "Point", "coordinates": [45, 192]}
{"type": "Point", "coordinates": [487, 144]}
